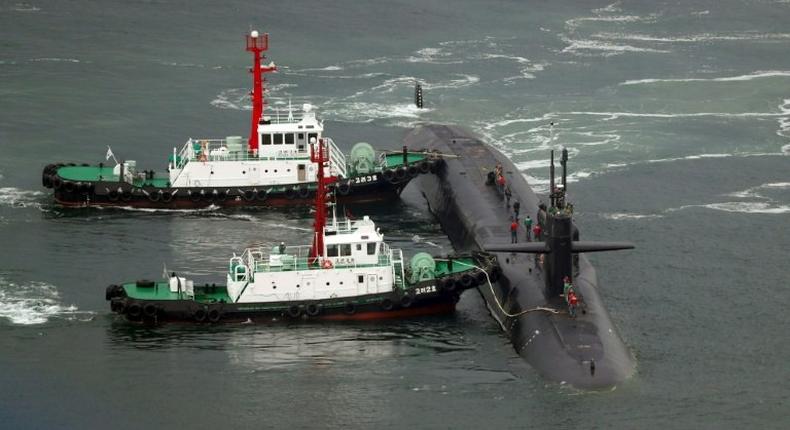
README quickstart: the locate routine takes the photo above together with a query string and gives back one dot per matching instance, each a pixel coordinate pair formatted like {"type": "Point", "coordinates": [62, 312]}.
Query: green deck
{"type": "Point", "coordinates": [396, 159]}
{"type": "Point", "coordinates": [96, 173]}
{"type": "Point", "coordinates": [161, 291]}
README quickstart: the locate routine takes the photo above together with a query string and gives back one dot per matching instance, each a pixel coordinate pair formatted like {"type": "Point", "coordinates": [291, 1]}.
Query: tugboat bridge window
{"type": "Point", "coordinates": [278, 138]}
{"type": "Point", "coordinates": [371, 248]}
{"type": "Point", "coordinates": [289, 139]}
{"type": "Point", "coordinates": [267, 139]}
{"type": "Point", "coordinates": [345, 249]}
{"type": "Point", "coordinates": [360, 279]}
{"type": "Point", "coordinates": [331, 250]}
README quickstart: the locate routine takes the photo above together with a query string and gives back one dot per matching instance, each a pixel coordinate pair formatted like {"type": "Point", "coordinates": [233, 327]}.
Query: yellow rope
{"type": "Point", "coordinates": [496, 299]}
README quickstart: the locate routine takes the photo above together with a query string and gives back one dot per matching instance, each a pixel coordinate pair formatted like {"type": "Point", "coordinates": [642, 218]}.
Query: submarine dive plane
{"type": "Point", "coordinates": [546, 295]}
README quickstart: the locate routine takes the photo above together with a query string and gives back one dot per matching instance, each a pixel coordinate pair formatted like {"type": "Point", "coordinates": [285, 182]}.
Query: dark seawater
{"type": "Point", "coordinates": [676, 115]}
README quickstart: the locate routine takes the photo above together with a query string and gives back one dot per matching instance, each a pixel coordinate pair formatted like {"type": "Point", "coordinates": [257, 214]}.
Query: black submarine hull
{"type": "Point", "coordinates": [586, 351]}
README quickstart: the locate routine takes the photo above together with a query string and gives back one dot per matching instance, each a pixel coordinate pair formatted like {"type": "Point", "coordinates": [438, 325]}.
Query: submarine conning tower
{"type": "Point", "coordinates": [561, 237]}
{"type": "Point", "coordinates": [581, 349]}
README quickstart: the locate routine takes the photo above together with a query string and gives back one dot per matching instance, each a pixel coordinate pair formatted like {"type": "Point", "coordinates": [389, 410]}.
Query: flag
{"type": "Point", "coordinates": [109, 154]}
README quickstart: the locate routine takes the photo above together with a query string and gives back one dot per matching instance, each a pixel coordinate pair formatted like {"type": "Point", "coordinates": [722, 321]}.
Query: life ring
{"type": "Point", "coordinates": [262, 195]}
{"type": "Point", "coordinates": [214, 315]}
{"type": "Point", "coordinates": [406, 301]}
{"type": "Point", "coordinates": [155, 196]}
{"type": "Point", "coordinates": [413, 170]}
{"type": "Point", "coordinates": [294, 311]}
{"type": "Point", "coordinates": [193, 195]}
{"type": "Point", "coordinates": [326, 264]}
{"type": "Point", "coordinates": [425, 167]}
{"type": "Point", "coordinates": [199, 315]}
{"type": "Point", "coordinates": [386, 304]}
{"type": "Point", "coordinates": [167, 196]}
{"type": "Point", "coordinates": [349, 308]}
{"type": "Point", "coordinates": [467, 280]}
{"type": "Point", "coordinates": [389, 175]}
{"type": "Point", "coordinates": [249, 195]}
{"type": "Point", "coordinates": [150, 310]}
{"type": "Point", "coordinates": [290, 193]}
{"type": "Point", "coordinates": [113, 195]}
{"type": "Point", "coordinates": [68, 186]}
{"type": "Point", "coordinates": [401, 173]}
{"type": "Point", "coordinates": [134, 310]}
{"type": "Point", "coordinates": [304, 192]}
{"type": "Point", "coordinates": [344, 188]}
{"type": "Point", "coordinates": [312, 309]}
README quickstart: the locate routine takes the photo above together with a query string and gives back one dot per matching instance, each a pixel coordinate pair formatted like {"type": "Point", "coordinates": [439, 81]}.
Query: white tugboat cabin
{"type": "Point", "coordinates": [282, 157]}
{"type": "Point", "coordinates": [356, 262]}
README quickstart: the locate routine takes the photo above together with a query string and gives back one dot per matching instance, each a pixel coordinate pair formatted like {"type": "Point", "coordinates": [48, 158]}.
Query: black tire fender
{"type": "Point", "coordinates": [134, 310]}
{"type": "Point", "coordinates": [293, 311]}
{"type": "Point", "coordinates": [467, 280]}
{"type": "Point", "coordinates": [313, 309]}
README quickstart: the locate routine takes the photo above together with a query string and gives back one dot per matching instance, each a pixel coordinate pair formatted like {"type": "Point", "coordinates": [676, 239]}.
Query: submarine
{"type": "Point", "coordinates": [530, 298]}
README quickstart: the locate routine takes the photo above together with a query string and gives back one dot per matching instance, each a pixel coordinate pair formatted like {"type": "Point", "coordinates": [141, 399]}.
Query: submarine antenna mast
{"type": "Point", "coordinates": [257, 44]}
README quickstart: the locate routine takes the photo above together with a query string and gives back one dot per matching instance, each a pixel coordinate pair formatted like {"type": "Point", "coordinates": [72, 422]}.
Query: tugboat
{"type": "Point", "coordinates": [348, 273]}
{"type": "Point", "coordinates": [272, 169]}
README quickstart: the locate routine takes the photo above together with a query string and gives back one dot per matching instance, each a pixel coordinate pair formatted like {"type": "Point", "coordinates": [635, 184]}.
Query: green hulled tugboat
{"type": "Point", "coordinates": [348, 272]}
{"type": "Point", "coordinates": [272, 169]}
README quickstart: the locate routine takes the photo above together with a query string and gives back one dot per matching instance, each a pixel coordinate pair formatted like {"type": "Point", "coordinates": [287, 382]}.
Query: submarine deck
{"type": "Point", "coordinates": [585, 351]}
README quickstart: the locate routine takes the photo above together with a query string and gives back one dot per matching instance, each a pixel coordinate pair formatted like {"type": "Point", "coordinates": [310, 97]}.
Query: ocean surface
{"type": "Point", "coordinates": [676, 116]}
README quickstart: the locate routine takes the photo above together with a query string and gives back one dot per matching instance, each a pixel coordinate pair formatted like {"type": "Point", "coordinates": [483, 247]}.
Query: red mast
{"type": "Point", "coordinates": [257, 44]}
{"type": "Point", "coordinates": [320, 156]}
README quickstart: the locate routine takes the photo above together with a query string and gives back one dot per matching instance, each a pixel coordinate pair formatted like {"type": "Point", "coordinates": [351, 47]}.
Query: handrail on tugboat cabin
{"type": "Point", "coordinates": [297, 258]}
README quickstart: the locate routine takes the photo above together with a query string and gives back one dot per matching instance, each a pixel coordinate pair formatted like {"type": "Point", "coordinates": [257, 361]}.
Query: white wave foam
{"type": "Point", "coordinates": [739, 78]}
{"type": "Point", "coordinates": [574, 23]}
{"type": "Point", "coordinates": [617, 115]}
{"type": "Point", "coordinates": [14, 197]}
{"type": "Point", "coordinates": [630, 216]}
{"type": "Point", "coordinates": [367, 112]}
{"type": "Point", "coordinates": [24, 7]}
{"type": "Point", "coordinates": [56, 60]}
{"type": "Point", "coordinates": [235, 98]}
{"type": "Point", "coordinates": [33, 303]}
{"type": "Point", "coordinates": [434, 56]}
{"type": "Point", "coordinates": [754, 192]}
{"type": "Point", "coordinates": [786, 149]}
{"type": "Point", "coordinates": [745, 207]}
{"type": "Point", "coordinates": [694, 38]}
{"type": "Point", "coordinates": [333, 68]}
{"type": "Point", "coordinates": [580, 46]}
{"type": "Point", "coordinates": [209, 208]}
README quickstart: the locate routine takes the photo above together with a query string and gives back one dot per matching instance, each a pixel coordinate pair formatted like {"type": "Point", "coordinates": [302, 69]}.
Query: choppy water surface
{"type": "Point", "coordinates": [676, 116]}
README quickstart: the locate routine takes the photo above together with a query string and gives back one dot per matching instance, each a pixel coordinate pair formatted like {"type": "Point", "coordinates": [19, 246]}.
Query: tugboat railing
{"type": "Point", "coordinates": [269, 259]}
{"type": "Point", "coordinates": [337, 160]}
